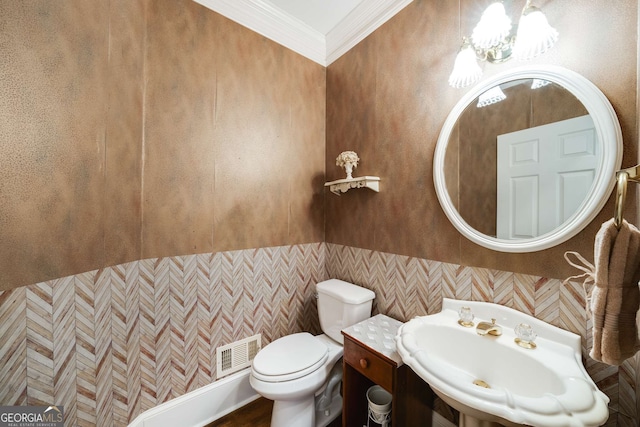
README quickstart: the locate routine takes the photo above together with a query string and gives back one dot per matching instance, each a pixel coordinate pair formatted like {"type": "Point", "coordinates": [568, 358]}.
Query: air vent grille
{"type": "Point", "coordinates": [237, 355]}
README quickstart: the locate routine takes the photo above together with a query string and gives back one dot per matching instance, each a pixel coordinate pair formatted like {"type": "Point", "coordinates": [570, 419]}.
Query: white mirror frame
{"type": "Point", "coordinates": [608, 133]}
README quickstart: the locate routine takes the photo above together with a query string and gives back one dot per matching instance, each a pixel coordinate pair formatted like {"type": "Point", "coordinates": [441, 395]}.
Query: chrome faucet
{"type": "Point", "coordinates": [486, 328]}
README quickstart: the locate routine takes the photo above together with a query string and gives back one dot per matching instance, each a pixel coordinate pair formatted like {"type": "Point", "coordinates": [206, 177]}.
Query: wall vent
{"type": "Point", "coordinates": [238, 355]}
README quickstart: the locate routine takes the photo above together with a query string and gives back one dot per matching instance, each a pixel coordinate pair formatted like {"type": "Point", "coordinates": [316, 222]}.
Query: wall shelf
{"type": "Point", "coordinates": [343, 185]}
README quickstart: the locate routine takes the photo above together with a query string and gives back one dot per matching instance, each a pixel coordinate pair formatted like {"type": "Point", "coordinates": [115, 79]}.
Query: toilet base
{"type": "Point", "coordinates": [304, 414]}
{"type": "Point", "coordinates": [324, 418]}
{"type": "Point", "coordinates": [294, 413]}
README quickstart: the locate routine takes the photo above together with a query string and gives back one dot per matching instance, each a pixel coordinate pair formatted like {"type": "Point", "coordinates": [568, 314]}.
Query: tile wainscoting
{"type": "Point", "coordinates": [111, 343]}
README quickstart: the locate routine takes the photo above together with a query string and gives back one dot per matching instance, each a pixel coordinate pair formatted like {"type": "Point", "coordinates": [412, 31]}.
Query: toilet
{"type": "Point", "coordinates": [299, 372]}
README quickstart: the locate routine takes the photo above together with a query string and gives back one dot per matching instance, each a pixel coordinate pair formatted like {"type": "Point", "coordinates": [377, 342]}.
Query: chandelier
{"type": "Point", "coordinates": [494, 40]}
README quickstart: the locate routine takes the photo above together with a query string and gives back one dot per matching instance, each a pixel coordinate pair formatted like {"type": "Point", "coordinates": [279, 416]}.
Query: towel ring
{"type": "Point", "coordinates": [623, 177]}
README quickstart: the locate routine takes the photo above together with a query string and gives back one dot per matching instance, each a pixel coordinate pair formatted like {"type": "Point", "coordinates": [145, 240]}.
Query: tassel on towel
{"type": "Point", "coordinates": [615, 298]}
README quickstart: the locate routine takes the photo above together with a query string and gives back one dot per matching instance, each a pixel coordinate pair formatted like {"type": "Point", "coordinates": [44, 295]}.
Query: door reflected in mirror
{"type": "Point", "coordinates": [527, 158]}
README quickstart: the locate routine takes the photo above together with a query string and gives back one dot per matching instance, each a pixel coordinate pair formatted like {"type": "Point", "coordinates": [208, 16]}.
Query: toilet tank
{"type": "Point", "coordinates": [340, 305]}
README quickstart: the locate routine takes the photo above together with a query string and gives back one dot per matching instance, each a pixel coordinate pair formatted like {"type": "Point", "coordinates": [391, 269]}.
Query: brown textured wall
{"type": "Point", "coordinates": [53, 134]}
{"type": "Point", "coordinates": [234, 137]}
{"type": "Point", "coordinates": [388, 97]}
{"type": "Point", "coordinates": [137, 129]}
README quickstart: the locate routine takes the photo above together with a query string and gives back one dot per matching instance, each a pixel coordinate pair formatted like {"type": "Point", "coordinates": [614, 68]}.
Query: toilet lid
{"type": "Point", "coordinates": [290, 357]}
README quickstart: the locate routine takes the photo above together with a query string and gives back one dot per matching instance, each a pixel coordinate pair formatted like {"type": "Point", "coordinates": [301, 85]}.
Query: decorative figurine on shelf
{"type": "Point", "coordinates": [349, 161]}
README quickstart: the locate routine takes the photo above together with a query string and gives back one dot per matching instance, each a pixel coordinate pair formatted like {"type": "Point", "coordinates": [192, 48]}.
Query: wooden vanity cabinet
{"type": "Point", "coordinates": [363, 367]}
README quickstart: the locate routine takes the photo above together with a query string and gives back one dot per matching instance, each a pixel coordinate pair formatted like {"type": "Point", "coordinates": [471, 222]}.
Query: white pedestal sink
{"type": "Point", "coordinates": [491, 379]}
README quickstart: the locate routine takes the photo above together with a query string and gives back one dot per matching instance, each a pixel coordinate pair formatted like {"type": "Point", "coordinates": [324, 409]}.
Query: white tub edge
{"type": "Point", "coordinates": [202, 406]}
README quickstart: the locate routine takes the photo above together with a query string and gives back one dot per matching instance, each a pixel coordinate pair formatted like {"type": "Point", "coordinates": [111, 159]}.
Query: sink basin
{"type": "Point", "coordinates": [492, 379]}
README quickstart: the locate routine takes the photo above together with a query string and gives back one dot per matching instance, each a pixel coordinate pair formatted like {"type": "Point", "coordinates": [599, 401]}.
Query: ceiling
{"type": "Point", "coordinates": [321, 30]}
{"type": "Point", "coordinates": [321, 15]}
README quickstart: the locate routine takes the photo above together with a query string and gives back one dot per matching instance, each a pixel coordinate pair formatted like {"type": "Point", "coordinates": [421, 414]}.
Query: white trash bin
{"type": "Point", "coordinates": [379, 406]}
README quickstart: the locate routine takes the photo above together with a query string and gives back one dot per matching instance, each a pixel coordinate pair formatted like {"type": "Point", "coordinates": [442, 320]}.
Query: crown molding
{"type": "Point", "coordinates": [367, 17]}
{"type": "Point", "coordinates": [271, 22]}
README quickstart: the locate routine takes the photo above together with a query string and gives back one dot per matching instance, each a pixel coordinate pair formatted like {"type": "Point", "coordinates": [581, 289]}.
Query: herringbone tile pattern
{"type": "Point", "coordinates": [110, 344]}
{"type": "Point", "coordinates": [13, 346]}
{"type": "Point", "coordinates": [39, 337]}
{"type": "Point", "coordinates": [147, 316]}
{"type": "Point", "coordinates": [85, 349]}
{"type": "Point", "coordinates": [104, 356]}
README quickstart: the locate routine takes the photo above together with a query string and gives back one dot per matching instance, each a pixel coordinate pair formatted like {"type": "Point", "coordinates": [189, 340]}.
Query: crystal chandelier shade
{"type": "Point", "coordinates": [491, 96]}
{"type": "Point", "coordinates": [493, 28]}
{"type": "Point", "coordinates": [466, 70]}
{"type": "Point", "coordinates": [493, 41]}
{"type": "Point", "coordinates": [535, 36]}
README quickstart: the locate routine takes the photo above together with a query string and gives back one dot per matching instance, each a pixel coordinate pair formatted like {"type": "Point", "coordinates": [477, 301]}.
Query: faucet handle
{"type": "Point", "coordinates": [466, 317]}
{"type": "Point", "coordinates": [525, 336]}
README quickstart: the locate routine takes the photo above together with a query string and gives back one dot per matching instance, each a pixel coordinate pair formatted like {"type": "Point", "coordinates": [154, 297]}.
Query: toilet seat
{"type": "Point", "coordinates": [289, 358]}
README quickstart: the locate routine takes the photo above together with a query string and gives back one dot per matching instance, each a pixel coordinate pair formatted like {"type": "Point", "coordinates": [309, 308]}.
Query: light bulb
{"type": "Point", "coordinates": [493, 28]}
{"type": "Point", "coordinates": [535, 36]}
{"type": "Point", "coordinates": [465, 69]}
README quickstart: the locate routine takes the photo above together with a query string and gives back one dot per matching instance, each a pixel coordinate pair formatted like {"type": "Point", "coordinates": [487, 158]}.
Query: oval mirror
{"type": "Point", "coordinates": [527, 158]}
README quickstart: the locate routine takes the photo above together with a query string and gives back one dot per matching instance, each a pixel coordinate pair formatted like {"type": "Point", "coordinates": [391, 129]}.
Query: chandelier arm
{"type": "Point", "coordinates": [481, 54]}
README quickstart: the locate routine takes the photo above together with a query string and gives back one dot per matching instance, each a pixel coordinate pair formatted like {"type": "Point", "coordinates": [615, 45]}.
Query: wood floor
{"type": "Point", "coordinates": [255, 414]}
